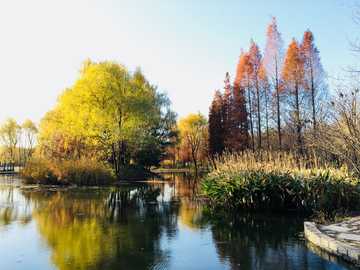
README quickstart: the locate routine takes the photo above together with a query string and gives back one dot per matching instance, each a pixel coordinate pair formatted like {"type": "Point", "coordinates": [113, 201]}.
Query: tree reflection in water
{"type": "Point", "coordinates": [9, 198]}
{"type": "Point", "coordinates": [107, 228]}
{"type": "Point", "coordinates": [147, 226]}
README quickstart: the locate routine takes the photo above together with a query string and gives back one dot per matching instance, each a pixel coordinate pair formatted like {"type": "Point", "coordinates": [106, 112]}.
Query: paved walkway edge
{"type": "Point", "coordinates": [330, 244]}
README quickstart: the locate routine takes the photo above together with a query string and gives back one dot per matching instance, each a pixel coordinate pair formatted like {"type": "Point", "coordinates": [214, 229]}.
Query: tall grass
{"type": "Point", "coordinates": [83, 172]}
{"type": "Point", "coordinates": [281, 181]}
{"type": "Point", "coordinates": [276, 159]}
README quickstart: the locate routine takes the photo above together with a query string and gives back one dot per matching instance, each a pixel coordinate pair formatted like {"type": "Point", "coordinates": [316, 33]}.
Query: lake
{"type": "Point", "coordinates": [146, 225]}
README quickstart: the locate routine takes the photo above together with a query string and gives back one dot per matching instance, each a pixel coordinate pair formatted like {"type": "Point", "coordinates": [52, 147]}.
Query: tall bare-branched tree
{"type": "Point", "coordinates": [314, 80]}
{"type": "Point", "coordinates": [273, 62]}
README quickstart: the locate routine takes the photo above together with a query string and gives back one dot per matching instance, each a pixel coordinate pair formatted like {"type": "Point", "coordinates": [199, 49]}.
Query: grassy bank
{"type": "Point", "coordinates": [242, 182]}
{"type": "Point", "coordinates": [132, 172]}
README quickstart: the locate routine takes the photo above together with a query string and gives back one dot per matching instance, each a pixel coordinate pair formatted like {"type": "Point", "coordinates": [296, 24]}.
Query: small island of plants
{"type": "Point", "coordinates": [263, 183]}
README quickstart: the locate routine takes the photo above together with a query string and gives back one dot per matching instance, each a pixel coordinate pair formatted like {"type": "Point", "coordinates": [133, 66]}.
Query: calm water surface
{"type": "Point", "coordinates": [150, 225]}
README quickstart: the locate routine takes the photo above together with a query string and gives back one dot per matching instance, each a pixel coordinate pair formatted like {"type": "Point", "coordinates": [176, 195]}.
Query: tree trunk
{"type": "Point", "coordinates": [278, 114]}
{"type": "Point", "coordinates": [267, 120]}
{"type": "Point", "coordinates": [251, 121]}
{"type": "Point", "coordinates": [313, 101]}
{"type": "Point", "coordinates": [298, 120]}
{"type": "Point", "coordinates": [259, 118]}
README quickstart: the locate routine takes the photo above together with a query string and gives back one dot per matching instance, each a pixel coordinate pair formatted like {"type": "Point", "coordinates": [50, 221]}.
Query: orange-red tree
{"type": "Point", "coordinates": [293, 76]}
{"type": "Point", "coordinates": [216, 129]}
{"type": "Point", "coordinates": [240, 124]}
{"type": "Point", "coordinates": [243, 84]}
{"type": "Point", "coordinates": [266, 98]}
{"type": "Point", "coordinates": [259, 85]}
{"type": "Point", "coordinates": [314, 80]}
{"type": "Point", "coordinates": [235, 125]}
{"type": "Point", "coordinates": [273, 61]}
{"type": "Point", "coordinates": [227, 112]}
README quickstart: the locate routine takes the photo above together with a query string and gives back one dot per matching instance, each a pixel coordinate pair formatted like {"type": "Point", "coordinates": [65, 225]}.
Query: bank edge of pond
{"type": "Point", "coordinates": [347, 264]}
{"type": "Point", "coordinates": [126, 178]}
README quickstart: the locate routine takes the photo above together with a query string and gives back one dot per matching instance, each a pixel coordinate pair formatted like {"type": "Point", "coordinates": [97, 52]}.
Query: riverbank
{"type": "Point", "coordinates": [171, 170]}
{"type": "Point", "coordinates": [9, 172]}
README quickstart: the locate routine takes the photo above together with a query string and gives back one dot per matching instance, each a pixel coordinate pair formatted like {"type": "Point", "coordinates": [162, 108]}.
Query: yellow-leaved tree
{"type": "Point", "coordinates": [193, 133]}
{"type": "Point", "coordinates": [30, 131]}
{"type": "Point", "coordinates": [10, 135]}
{"type": "Point", "coordinates": [109, 112]}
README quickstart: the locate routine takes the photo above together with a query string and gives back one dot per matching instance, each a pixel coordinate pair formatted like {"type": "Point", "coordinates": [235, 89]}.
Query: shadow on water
{"type": "Point", "coordinates": [152, 225]}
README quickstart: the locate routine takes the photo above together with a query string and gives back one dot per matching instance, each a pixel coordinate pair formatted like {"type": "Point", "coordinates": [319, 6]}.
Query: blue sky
{"type": "Point", "coordinates": [183, 46]}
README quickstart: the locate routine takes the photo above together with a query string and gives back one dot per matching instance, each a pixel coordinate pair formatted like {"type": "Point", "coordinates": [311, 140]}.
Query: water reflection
{"type": "Point", "coordinates": [260, 241]}
{"type": "Point", "coordinates": [13, 207]}
{"type": "Point", "coordinates": [4, 177]}
{"type": "Point", "coordinates": [154, 225]}
{"type": "Point", "coordinates": [330, 257]}
{"type": "Point", "coordinates": [105, 228]}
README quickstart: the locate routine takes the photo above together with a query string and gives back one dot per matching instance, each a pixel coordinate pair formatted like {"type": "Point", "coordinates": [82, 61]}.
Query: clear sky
{"type": "Point", "coordinates": [183, 46]}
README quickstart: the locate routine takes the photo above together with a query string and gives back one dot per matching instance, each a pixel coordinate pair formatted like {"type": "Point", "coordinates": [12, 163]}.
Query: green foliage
{"type": "Point", "coordinates": [148, 156]}
{"type": "Point", "coordinates": [134, 172]}
{"type": "Point", "coordinates": [258, 187]}
{"type": "Point", "coordinates": [83, 172]}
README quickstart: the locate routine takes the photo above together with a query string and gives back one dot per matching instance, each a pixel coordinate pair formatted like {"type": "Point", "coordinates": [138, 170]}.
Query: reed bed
{"type": "Point", "coordinates": [267, 181]}
{"type": "Point", "coordinates": [82, 172]}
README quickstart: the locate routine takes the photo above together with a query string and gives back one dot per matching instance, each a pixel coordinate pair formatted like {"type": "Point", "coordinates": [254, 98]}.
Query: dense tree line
{"type": "Point", "coordinates": [275, 99]}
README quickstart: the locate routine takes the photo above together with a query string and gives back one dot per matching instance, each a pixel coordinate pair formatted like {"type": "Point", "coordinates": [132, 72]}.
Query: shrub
{"type": "Point", "coordinates": [83, 172]}
{"type": "Point", "coordinates": [134, 172]}
{"type": "Point", "coordinates": [37, 171]}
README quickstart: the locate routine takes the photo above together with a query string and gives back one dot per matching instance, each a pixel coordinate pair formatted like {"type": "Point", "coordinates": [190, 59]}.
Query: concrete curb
{"type": "Point", "coordinates": [330, 244]}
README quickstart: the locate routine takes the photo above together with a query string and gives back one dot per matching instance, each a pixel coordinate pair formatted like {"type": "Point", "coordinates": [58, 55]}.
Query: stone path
{"type": "Point", "coordinates": [346, 231]}
{"type": "Point", "coordinates": [342, 239]}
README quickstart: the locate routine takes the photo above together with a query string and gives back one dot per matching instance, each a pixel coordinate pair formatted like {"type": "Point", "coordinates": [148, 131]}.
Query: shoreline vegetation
{"type": "Point", "coordinates": [81, 172]}
{"type": "Point", "coordinates": [268, 181]}
{"type": "Point", "coordinates": [245, 181]}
